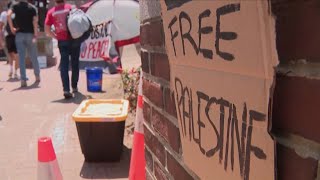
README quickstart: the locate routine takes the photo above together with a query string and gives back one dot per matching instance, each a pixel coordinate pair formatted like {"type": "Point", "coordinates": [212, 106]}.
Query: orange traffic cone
{"type": "Point", "coordinates": [138, 163]}
{"type": "Point", "coordinates": [48, 168]}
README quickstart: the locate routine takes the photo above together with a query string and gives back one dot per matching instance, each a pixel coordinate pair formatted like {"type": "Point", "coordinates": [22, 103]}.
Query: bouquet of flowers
{"type": "Point", "coordinates": [130, 79]}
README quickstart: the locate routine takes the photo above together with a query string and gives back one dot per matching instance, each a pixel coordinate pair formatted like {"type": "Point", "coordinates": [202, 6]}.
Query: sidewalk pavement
{"type": "Point", "coordinates": [29, 113]}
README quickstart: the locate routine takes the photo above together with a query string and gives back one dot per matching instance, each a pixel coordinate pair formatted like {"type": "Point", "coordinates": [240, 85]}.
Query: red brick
{"type": "Point", "coordinates": [159, 64]}
{"type": "Point", "coordinates": [296, 106]}
{"type": "Point", "coordinates": [166, 129]}
{"type": "Point", "coordinates": [147, 112]}
{"type": "Point", "coordinates": [149, 160]}
{"type": "Point", "coordinates": [293, 167]}
{"type": "Point", "coordinates": [174, 138]}
{"type": "Point", "coordinates": [145, 61]}
{"type": "Point", "coordinates": [298, 35]}
{"type": "Point", "coordinates": [169, 102]}
{"type": "Point", "coordinates": [153, 92]}
{"type": "Point", "coordinates": [176, 170]}
{"type": "Point", "coordinates": [154, 145]}
{"type": "Point", "coordinates": [149, 176]}
{"type": "Point", "coordinates": [151, 34]}
{"type": "Point", "coordinates": [159, 173]}
{"type": "Point", "coordinates": [159, 124]}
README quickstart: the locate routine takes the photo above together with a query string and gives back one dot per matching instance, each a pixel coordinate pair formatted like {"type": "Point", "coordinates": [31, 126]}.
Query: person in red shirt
{"type": "Point", "coordinates": [57, 16]}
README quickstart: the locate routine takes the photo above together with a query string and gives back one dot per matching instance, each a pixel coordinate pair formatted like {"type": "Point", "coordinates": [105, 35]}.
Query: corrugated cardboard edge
{"type": "Point", "coordinates": [272, 35]}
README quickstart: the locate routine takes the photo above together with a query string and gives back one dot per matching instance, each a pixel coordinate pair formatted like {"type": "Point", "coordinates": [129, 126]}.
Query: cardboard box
{"type": "Point", "coordinates": [222, 56]}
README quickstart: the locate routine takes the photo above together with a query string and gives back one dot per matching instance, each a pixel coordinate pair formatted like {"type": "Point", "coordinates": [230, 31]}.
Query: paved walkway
{"type": "Point", "coordinates": [35, 111]}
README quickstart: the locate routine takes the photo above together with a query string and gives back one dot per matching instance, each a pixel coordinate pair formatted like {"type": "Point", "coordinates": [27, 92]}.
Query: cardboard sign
{"type": "Point", "coordinates": [222, 56]}
{"type": "Point", "coordinates": [97, 45]}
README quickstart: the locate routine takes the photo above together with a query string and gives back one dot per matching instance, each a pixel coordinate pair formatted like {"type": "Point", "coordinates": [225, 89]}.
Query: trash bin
{"type": "Point", "coordinates": [100, 125]}
{"type": "Point", "coordinates": [94, 79]}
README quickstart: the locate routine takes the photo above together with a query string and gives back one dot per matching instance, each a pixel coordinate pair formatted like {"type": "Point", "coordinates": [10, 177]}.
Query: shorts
{"type": "Point", "coordinates": [11, 44]}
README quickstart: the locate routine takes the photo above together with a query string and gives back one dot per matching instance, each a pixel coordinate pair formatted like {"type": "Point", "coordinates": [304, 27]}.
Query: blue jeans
{"type": "Point", "coordinates": [69, 48]}
{"type": "Point", "coordinates": [24, 43]}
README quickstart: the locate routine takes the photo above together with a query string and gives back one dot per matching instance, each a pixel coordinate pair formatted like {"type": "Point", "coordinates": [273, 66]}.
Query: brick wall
{"type": "Point", "coordinates": [296, 115]}
{"type": "Point", "coordinates": [296, 108]}
{"type": "Point", "coordinates": [162, 140]}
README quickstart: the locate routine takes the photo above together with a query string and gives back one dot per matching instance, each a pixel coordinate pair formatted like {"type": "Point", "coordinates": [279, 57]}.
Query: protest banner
{"type": "Point", "coordinates": [96, 46]}
{"type": "Point", "coordinates": [222, 56]}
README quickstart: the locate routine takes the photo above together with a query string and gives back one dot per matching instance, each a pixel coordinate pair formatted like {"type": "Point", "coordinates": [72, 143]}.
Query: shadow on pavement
{"type": "Point", "coordinates": [108, 170]}
{"type": "Point", "coordinates": [77, 99]}
{"type": "Point", "coordinates": [13, 80]}
{"type": "Point", "coordinates": [32, 86]}
{"type": "Point", "coordinates": [100, 92]}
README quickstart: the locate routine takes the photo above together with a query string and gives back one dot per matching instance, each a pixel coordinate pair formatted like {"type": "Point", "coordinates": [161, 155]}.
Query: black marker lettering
{"type": "Point", "coordinates": [231, 8]}
{"type": "Point", "coordinates": [207, 53]}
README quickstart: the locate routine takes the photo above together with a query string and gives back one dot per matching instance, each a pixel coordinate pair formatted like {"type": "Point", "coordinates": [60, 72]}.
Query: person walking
{"type": "Point", "coordinates": [57, 16]}
{"type": "Point", "coordinates": [3, 22]}
{"type": "Point", "coordinates": [26, 31]}
{"type": "Point", "coordinates": [10, 45]}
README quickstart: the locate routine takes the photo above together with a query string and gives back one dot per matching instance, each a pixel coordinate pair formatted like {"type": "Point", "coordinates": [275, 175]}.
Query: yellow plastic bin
{"type": "Point", "coordinates": [100, 125]}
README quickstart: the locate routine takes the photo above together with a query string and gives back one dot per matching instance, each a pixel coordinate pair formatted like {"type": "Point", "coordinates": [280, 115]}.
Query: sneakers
{"type": "Point", "coordinates": [38, 79]}
{"type": "Point", "coordinates": [67, 95]}
{"type": "Point", "coordinates": [23, 83]}
{"type": "Point", "coordinates": [75, 90]}
{"type": "Point", "coordinates": [16, 76]}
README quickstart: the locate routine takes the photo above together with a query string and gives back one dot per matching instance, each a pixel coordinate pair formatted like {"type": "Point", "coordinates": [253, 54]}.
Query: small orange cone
{"type": "Point", "coordinates": [138, 163]}
{"type": "Point", "coordinates": [48, 168]}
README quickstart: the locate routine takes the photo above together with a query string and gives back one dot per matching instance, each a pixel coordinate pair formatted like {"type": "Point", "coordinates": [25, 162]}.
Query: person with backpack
{"type": "Point", "coordinates": [10, 43]}
{"type": "Point", "coordinates": [57, 16]}
{"type": "Point", "coordinates": [26, 31]}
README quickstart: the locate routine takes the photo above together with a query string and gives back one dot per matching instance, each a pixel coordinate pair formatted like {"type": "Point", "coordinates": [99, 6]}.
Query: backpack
{"type": "Point", "coordinates": [79, 25]}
